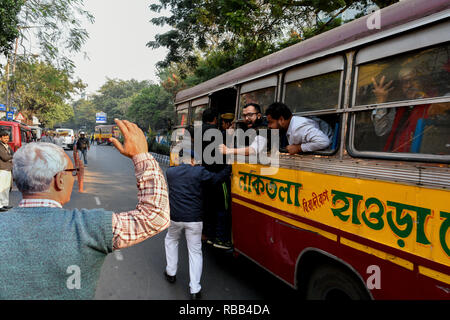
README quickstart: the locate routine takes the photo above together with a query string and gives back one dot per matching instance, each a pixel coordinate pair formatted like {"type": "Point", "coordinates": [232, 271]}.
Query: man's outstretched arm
{"type": "Point", "coordinates": [152, 213]}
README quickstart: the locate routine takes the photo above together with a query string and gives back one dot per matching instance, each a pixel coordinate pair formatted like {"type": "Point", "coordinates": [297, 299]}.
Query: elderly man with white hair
{"type": "Point", "coordinates": [48, 252]}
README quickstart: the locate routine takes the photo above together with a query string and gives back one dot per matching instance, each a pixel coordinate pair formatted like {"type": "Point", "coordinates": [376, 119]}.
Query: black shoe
{"type": "Point", "coordinates": [3, 209]}
{"type": "Point", "coordinates": [8, 207]}
{"type": "Point", "coordinates": [196, 296]}
{"type": "Point", "coordinates": [170, 279]}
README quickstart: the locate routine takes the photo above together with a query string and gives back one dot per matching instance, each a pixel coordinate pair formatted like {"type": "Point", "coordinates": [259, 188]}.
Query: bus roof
{"type": "Point", "coordinates": [349, 35]}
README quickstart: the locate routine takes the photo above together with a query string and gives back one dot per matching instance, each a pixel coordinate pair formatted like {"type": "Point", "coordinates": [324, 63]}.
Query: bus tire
{"type": "Point", "coordinates": [330, 282]}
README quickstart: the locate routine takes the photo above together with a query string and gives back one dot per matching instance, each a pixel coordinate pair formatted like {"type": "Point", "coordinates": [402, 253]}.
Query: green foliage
{"type": "Point", "coordinates": [9, 9]}
{"type": "Point", "coordinates": [115, 97]}
{"type": "Point", "coordinates": [57, 26]}
{"type": "Point", "coordinates": [153, 106]}
{"type": "Point", "coordinates": [84, 115]}
{"type": "Point", "coordinates": [42, 89]}
{"type": "Point", "coordinates": [215, 36]}
{"type": "Point", "coordinates": [159, 148]}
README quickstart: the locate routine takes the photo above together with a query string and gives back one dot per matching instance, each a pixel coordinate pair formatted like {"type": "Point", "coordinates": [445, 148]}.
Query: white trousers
{"type": "Point", "coordinates": [193, 231]}
{"type": "Point", "coordinates": [5, 185]}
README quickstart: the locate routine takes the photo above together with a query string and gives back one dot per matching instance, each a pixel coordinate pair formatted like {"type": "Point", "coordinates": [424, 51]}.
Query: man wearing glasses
{"type": "Point", "coordinates": [253, 119]}
{"type": "Point", "coordinates": [48, 252]}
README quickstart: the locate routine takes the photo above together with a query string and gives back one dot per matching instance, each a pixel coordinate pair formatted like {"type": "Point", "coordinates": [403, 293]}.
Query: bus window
{"type": "Point", "coordinates": [415, 75]}
{"type": "Point", "coordinates": [182, 117]}
{"type": "Point", "coordinates": [421, 129]}
{"type": "Point", "coordinates": [315, 93]}
{"type": "Point", "coordinates": [406, 127]}
{"type": "Point", "coordinates": [197, 113]}
{"type": "Point", "coordinates": [264, 97]}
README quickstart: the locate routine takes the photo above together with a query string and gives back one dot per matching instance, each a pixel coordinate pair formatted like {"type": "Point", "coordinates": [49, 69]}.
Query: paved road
{"type": "Point", "coordinates": [137, 272]}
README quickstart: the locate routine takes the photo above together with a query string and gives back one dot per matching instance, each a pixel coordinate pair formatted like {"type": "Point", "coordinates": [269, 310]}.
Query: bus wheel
{"type": "Point", "coordinates": [329, 282]}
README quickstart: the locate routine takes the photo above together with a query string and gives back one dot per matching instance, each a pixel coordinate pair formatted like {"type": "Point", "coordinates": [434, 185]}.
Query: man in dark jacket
{"type": "Point", "coordinates": [6, 155]}
{"type": "Point", "coordinates": [83, 146]}
{"type": "Point", "coordinates": [186, 184]}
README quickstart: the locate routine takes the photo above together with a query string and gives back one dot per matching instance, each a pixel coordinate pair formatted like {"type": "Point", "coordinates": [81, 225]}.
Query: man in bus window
{"type": "Point", "coordinates": [253, 119]}
{"type": "Point", "coordinates": [303, 134]}
{"type": "Point", "coordinates": [6, 156]}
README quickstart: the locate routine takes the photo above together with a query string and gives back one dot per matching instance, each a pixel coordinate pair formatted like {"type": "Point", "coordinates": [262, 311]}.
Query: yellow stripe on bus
{"type": "Point", "coordinates": [434, 274]}
{"type": "Point", "coordinates": [380, 254]}
{"type": "Point", "coordinates": [293, 222]}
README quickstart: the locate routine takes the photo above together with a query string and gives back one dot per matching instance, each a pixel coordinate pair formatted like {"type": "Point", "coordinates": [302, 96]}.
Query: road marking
{"type": "Point", "coordinates": [118, 255]}
{"type": "Point", "coordinates": [97, 201]}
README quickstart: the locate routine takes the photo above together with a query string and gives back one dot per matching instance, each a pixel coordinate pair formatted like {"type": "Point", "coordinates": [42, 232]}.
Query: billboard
{"type": "Point", "coordinates": [100, 117]}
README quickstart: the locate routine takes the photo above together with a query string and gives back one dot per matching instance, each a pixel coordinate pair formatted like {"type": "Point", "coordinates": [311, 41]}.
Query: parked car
{"type": "Point", "coordinates": [66, 138]}
{"type": "Point", "coordinates": [19, 134]}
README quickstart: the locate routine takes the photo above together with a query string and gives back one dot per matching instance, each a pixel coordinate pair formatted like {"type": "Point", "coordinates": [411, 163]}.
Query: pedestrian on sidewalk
{"type": "Point", "coordinates": [83, 146]}
{"type": "Point", "coordinates": [186, 184]}
{"type": "Point", "coordinates": [6, 156]}
{"type": "Point", "coordinates": [48, 252]}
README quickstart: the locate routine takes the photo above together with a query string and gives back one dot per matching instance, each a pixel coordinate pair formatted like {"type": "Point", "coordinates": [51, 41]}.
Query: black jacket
{"type": "Point", "coordinates": [82, 143]}
{"type": "Point", "coordinates": [186, 190]}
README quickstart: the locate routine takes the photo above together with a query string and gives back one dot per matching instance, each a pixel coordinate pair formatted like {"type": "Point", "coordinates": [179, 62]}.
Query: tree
{"type": "Point", "coordinates": [115, 96]}
{"type": "Point", "coordinates": [9, 31]}
{"type": "Point", "coordinates": [153, 106]}
{"type": "Point", "coordinates": [43, 90]}
{"type": "Point", "coordinates": [56, 25]}
{"type": "Point", "coordinates": [243, 30]}
{"type": "Point", "coordinates": [84, 114]}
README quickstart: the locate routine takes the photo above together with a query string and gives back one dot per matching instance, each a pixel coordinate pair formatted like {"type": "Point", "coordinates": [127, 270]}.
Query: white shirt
{"type": "Point", "coordinates": [259, 144]}
{"type": "Point", "coordinates": [306, 132]}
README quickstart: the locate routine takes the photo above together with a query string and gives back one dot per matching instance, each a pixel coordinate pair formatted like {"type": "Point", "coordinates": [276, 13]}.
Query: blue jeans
{"type": "Point", "coordinates": [84, 153]}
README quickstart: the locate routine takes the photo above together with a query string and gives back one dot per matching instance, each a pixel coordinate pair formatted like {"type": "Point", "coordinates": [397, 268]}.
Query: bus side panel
{"type": "Point", "coordinates": [252, 234]}
{"type": "Point", "coordinates": [277, 246]}
{"type": "Point", "coordinates": [383, 279]}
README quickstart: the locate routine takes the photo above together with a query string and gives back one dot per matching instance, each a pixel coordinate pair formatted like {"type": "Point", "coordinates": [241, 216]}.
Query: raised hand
{"type": "Point", "coordinates": [381, 90]}
{"type": "Point", "coordinates": [134, 139]}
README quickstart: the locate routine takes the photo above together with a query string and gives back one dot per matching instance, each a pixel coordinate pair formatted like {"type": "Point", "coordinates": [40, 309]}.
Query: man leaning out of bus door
{"type": "Point", "coordinates": [303, 134]}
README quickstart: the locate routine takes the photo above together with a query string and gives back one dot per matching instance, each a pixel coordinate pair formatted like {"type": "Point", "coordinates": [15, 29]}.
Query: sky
{"type": "Point", "coordinates": [117, 43]}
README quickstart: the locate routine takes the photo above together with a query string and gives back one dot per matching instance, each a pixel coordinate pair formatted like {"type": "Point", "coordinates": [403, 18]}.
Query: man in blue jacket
{"type": "Point", "coordinates": [186, 184]}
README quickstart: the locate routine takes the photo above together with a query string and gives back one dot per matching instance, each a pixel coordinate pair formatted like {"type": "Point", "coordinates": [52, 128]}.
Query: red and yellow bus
{"type": "Point", "coordinates": [364, 219]}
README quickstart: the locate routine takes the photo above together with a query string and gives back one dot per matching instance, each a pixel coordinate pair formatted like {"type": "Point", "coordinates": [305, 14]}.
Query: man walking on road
{"type": "Point", "coordinates": [48, 252]}
{"type": "Point", "coordinates": [186, 184]}
{"type": "Point", "coordinates": [83, 146]}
